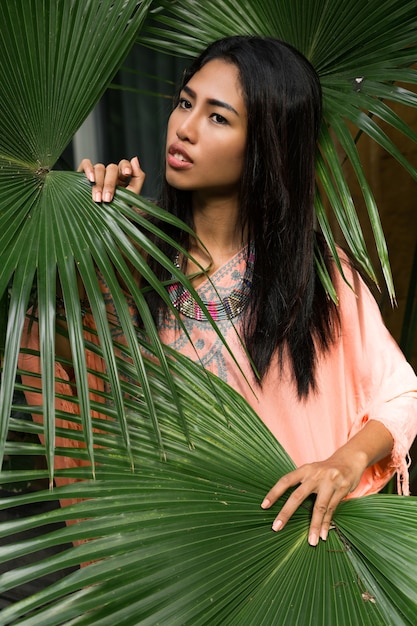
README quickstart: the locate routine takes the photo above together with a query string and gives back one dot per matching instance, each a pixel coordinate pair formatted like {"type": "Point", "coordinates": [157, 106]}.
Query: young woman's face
{"type": "Point", "coordinates": [206, 135]}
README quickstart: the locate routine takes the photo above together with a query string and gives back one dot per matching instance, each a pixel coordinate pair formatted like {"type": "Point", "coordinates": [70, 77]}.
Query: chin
{"type": "Point", "coordinates": [176, 182]}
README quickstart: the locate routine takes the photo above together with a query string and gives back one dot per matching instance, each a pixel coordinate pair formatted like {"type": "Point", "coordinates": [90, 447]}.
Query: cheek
{"type": "Point", "coordinates": [236, 157]}
{"type": "Point", "coordinates": [170, 125]}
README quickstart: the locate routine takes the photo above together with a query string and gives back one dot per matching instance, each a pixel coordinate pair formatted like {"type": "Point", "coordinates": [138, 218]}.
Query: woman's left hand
{"type": "Point", "coordinates": [331, 480]}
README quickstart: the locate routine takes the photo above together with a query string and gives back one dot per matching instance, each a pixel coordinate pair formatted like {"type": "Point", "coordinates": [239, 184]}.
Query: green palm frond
{"type": "Point", "coordinates": [55, 62]}
{"type": "Point", "coordinates": [184, 541]}
{"type": "Point", "coordinates": [181, 540]}
{"type": "Point", "coordinates": [360, 51]}
{"type": "Point", "coordinates": [51, 232]}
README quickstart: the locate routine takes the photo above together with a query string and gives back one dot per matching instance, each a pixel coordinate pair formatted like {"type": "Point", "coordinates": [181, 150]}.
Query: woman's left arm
{"type": "Point", "coordinates": [331, 480]}
{"type": "Point", "coordinates": [384, 416]}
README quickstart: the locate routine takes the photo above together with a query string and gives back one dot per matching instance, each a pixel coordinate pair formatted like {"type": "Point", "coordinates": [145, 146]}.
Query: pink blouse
{"type": "Point", "coordinates": [363, 376]}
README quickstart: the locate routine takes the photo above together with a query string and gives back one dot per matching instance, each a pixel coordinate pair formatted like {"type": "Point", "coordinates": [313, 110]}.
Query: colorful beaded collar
{"type": "Point", "coordinates": [221, 309]}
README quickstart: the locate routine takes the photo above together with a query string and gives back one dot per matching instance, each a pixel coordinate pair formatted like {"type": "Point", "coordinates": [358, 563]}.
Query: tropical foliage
{"type": "Point", "coordinates": [184, 540]}
{"type": "Point", "coordinates": [181, 539]}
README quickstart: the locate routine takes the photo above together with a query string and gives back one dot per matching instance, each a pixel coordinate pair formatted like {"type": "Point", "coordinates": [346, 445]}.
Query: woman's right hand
{"type": "Point", "coordinates": [126, 174]}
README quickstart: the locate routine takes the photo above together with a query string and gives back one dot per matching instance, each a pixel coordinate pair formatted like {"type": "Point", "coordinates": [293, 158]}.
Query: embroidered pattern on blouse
{"type": "Point", "coordinates": [209, 346]}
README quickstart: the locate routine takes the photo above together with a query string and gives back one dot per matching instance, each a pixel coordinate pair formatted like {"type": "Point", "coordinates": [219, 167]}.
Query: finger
{"type": "Point", "coordinates": [87, 167]}
{"type": "Point", "coordinates": [111, 179]}
{"type": "Point", "coordinates": [99, 175]}
{"type": "Point", "coordinates": [292, 504]}
{"type": "Point", "coordinates": [285, 482]}
{"type": "Point", "coordinates": [323, 512]}
{"type": "Point", "coordinates": [99, 172]}
{"type": "Point", "coordinates": [138, 176]}
{"type": "Point", "coordinates": [125, 172]}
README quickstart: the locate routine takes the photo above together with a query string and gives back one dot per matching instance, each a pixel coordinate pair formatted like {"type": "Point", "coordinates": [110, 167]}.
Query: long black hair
{"type": "Point", "coordinates": [288, 310]}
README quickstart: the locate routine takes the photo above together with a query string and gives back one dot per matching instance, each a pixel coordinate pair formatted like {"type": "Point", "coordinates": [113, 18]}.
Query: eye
{"type": "Point", "coordinates": [219, 119]}
{"type": "Point", "coordinates": [183, 103]}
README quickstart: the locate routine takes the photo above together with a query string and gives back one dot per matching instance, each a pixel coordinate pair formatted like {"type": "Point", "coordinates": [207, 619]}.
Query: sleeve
{"type": "Point", "coordinates": [30, 371]}
{"type": "Point", "coordinates": [384, 383]}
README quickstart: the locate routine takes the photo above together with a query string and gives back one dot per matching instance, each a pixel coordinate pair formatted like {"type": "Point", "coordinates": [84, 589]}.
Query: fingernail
{"type": "Point", "coordinates": [91, 177]}
{"type": "Point", "coordinates": [97, 196]}
{"type": "Point", "coordinates": [107, 197]}
{"type": "Point", "coordinates": [277, 525]}
{"type": "Point", "coordinates": [265, 504]}
{"type": "Point", "coordinates": [126, 171]}
{"type": "Point", "coordinates": [323, 534]}
{"type": "Point", "coordinates": [313, 539]}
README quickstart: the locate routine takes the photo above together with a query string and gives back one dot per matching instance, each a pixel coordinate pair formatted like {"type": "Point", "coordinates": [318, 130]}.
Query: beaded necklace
{"type": "Point", "coordinates": [221, 309]}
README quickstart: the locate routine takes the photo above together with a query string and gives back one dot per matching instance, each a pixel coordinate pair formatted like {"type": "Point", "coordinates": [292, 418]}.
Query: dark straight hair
{"type": "Point", "coordinates": [288, 309]}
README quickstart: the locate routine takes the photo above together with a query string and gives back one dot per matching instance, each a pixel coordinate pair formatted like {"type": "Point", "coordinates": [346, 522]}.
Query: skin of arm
{"type": "Point", "coordinates": [331, 480]}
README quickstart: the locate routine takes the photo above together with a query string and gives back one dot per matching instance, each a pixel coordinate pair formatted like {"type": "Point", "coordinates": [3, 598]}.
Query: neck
{"type": "Point", "coordinates": [217, 225]}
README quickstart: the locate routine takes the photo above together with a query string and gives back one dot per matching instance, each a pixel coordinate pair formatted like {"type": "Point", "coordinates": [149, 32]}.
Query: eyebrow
{"type": "Point", "coordinates": [212, 101]}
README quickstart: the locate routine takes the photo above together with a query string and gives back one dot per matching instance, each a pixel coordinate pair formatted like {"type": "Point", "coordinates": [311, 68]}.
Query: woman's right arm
{"type": "Point", "coordinates": [104, 178]}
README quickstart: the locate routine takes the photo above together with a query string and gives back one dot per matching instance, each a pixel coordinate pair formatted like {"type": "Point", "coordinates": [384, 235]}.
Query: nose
{"type": "Point", "coordinates": [187, 129]}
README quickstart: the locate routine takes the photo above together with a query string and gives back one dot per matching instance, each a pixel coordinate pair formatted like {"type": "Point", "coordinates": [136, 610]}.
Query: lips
{"type": "Point", "coordinates": [178, 158]}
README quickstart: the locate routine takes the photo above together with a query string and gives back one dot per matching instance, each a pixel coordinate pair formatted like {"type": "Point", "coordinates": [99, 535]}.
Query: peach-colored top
{"type": "Point", "coordinates": [364, 376]}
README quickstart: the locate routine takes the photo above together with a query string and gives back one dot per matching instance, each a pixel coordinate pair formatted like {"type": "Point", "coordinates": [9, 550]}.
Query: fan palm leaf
{"type": "Point", "coordinates": [56, 61]}
{"type": "Point", "coordinates": [184, 541]}
{"type": "Point", "coordinates": [51, 232]}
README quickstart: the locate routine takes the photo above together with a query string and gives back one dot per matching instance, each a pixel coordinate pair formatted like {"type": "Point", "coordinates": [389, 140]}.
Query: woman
{"type": "Point", "coordinates": [327, 380]}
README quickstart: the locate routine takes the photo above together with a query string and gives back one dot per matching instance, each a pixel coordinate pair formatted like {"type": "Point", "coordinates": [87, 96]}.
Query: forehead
{"type": "Point", "coordinates": [218, 80]}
